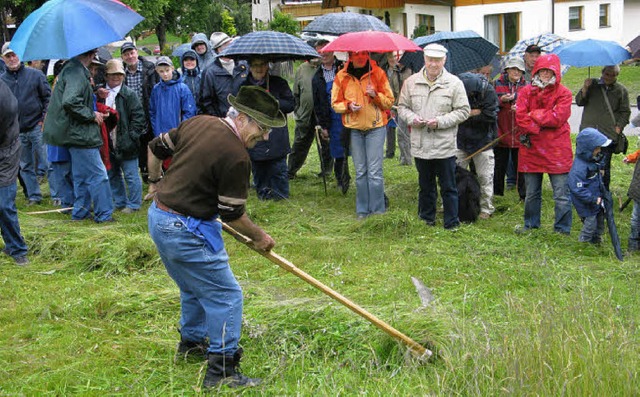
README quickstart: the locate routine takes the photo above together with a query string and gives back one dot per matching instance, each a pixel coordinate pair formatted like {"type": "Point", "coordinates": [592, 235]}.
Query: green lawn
{"type": "Point", "coordinates": [95, 313]}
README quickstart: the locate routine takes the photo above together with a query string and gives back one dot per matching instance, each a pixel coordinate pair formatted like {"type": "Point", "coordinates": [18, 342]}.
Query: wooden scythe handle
{"type": "Point", "coordinates": [414, 346]}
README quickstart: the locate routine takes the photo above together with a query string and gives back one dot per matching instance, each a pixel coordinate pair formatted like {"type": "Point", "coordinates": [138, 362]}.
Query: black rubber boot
{"type": "Point", "coordinates": [225, 370]}
{"type": "Point", "coordinates": [190, 350]}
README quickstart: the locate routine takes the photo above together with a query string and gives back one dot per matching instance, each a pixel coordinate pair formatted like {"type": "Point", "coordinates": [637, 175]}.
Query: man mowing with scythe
{"type": "Point", "coordinates": [209, 180]}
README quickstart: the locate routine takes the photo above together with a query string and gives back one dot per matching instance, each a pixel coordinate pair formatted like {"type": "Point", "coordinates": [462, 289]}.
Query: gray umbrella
{"type": "Point", "coordinates": [274, 46]}
{"type": "Point", "coordinates": [607, 202]}
{"type": "Point", "coordinates": [338, 23]}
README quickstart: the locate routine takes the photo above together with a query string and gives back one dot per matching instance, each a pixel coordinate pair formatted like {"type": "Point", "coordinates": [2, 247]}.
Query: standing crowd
{"type": "Point", "coordinates": [201, 136]}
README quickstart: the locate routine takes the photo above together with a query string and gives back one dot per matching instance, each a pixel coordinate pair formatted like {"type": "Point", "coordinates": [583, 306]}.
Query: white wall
{"type": "Point", "coordinates": [533, 19]}
{"type": "Point", "coordinates": [630, 21]}
{"type": "Point", "coordinates": [261, 9]}
{"type": "Point", "coordinates": [591, 21]}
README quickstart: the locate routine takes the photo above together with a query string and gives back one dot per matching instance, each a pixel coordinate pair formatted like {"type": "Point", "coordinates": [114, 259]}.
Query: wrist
{"type": "Point", "coordinates": [154, 180]}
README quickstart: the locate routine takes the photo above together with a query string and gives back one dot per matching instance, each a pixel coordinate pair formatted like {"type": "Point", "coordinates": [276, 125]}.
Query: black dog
{"type": "Point", "coordinates": [468, 195]}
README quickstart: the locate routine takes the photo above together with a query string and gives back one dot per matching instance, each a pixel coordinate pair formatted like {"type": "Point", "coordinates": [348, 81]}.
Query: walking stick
{"type": "Point", "coordinates": [324, 175]}
{"type": "Point", "coordinates": [625, 204]}
{"type": "Point", "coordinates": [482, 149]}
{"type": "Point", "coordinates": [415, 348]}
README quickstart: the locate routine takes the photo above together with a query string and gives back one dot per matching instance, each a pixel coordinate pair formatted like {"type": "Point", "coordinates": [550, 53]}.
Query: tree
{"type": "Point", "coordinates": [284, 23]}
{"type": "Point", "coordinates": [228, 24]}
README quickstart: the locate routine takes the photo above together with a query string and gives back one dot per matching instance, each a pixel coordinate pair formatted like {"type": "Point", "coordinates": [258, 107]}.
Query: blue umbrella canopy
{"type": "Point", "coordinates": [274, 46]}
{"type": "Point", "coordinates": [181, 49]}
{"type": "Point", "coordinates": [592, 52]}
{"type": "Point", "coordinates": [62, 29]}
{"type": "Point", "coordinates": [338, 23]}
{"type": "Point", "coordinates": [467, 49]}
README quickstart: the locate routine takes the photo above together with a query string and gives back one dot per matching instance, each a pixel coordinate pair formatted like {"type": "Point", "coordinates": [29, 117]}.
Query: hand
{"type": "Point", "coordinates": [354, 107]}
{"type": "Point", "coordinates": [102, 93]}
{"type": "Point", "coordinates": [264, 244]}
{"type": "Point", "coordinates": [325, 134]}
{"type": "Point", "coordinates": [152, 192]}
{"type": "Point", "coordinates": [418, 122]}
{"type": "Point", "coordinates": [475, 112]}
{"type": "Point", "coordinates": [618, 130]}
{"type": "Point", "coordinates": [100, 117]}
{"type": "Point", "coordinates": [432, 123]}
{"type": "Point", "coordinates": [587, 84]}
{"type": "Point", "coordinates": [371, 92]}
{"type": "Point", "coordinates": [599, 201]}
{"type": "Point", "coordinates": [625, 160]}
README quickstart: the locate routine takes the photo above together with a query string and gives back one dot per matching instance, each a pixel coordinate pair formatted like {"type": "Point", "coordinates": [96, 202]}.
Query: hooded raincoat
{"type": "Point", "coordinates": [206, 59]}
{"type": "Point", "coordinates": [585, 179]}
{"type": "Point", "coordinates": [543, 114]}
{"type": "Point", "coordinates": [191, 77]}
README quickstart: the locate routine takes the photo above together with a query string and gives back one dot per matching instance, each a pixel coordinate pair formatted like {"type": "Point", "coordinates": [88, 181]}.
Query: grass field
{"type": "Point", "coordinates": [95, 313]}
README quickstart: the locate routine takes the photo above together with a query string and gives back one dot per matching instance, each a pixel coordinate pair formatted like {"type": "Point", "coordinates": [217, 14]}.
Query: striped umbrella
{"type": "Point", "coordinates": [274, 46]}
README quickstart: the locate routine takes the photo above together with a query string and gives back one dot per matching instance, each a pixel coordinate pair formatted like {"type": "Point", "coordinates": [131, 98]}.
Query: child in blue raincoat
{"type": "Point", "coordinates": [586, 185]}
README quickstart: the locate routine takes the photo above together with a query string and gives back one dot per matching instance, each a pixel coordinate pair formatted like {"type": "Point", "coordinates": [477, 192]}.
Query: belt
{"type": "Point", "coordinates": [165, 208]}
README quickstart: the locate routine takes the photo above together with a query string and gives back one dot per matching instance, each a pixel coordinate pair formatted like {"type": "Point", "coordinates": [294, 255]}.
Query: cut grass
{"type": "Point", "coordinates": [540, 314]}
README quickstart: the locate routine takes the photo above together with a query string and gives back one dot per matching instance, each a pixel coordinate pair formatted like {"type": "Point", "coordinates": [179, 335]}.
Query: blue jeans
{"type": "Point", "coordinates": [592, 228]}
{"type": "Point", "coordinates": [30, 159]}
{"type": "Point", "coordinates": [90, 185]}
{"type": "Point", "coordinates": [271, 179]}
{"type": "Point", "coordinates": [367, 151]}
{"type": "Point", "coordinates": [210, 296]}
{"type": "Point", "coordinates": [445, 171]}
{"type": "Point", "coordinates": [14, 244]}
{"type": "Point", "coordinates": [61, 181]}
{"type": "Point", "coordinates": [121, 172]}
{"type": "Point", "coordinates": [533, 201]}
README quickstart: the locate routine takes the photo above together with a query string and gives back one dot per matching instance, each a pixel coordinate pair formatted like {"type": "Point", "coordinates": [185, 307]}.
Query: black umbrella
{"type": "Point", "coordinates": [338, 23]}
{"type": "Point", "coordinates": [634, 47]}
{"type": "Point", "coordinates": [607, 202]}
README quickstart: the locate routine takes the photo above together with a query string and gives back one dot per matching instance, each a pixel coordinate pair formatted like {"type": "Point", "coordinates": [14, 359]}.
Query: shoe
{"type": "Point", "coordinates": [110, 220]}
{"type": "Point", "coordinates": [453, 227]}
{"type": "Point", "coordinates": [33, 202]}
{"type": "Point", "coordinates": [291, 176]}
{"type": "Point", "coordinates": [21, 261]}
{"type": "Point", "coordinates": [430, 223]}
{"type": "Point", "coordinates": [56, 202]}
{"type": "Point", "coordinates": [390, 155]}
{"type": "Point", "coordinates": [225, 370]}
{"type": "Point", "coordinates": [522, 230]}
{"type": "Point", "coordinates": [484, 215]}
{"type": "Point", "coordinates": [361, 217]}
{"type": "Point", "coordinates": [129, 210]}
{"type": "Point", "coordinates": [187, 349]}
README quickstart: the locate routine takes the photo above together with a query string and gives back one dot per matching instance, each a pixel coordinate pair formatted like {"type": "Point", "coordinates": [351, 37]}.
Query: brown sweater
{"type": "Point", "coordinates": [209, 173]}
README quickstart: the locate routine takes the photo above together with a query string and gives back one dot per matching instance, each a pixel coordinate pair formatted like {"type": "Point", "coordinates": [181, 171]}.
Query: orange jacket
{"type": "Point", "coordinates": [347, 89]}
{"type": "Point", "coordinates": [633, 157]}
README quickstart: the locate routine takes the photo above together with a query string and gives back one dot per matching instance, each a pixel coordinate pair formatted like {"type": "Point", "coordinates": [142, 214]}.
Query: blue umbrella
{"type": "Point", "coordinates": [62, 29]}
{"type": "Point", "coordinates": [274, 46]}
{"type": "Point", "coordinates": [592, 52]}
{"type": "Point", "coordinates": [467, 49]}
{"type": "Point", "coordinates": [338, 23]}
{"type": "Point", "coordinates": [181, 49]}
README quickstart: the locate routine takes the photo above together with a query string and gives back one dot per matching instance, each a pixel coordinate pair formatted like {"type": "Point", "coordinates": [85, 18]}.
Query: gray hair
{"type": "Point", "coordinates": [615, 68]}
{"type": "Point", "coordinates": [232, 112]}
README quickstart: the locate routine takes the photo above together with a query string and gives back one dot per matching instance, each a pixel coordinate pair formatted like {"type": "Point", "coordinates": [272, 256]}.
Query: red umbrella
{"type": "Point", "coordinates": [372, 41]}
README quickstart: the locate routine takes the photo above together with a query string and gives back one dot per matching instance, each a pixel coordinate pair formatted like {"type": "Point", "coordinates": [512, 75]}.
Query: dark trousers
{"type": "Point", "coordinates": [391, 142]}
{"type": "Point", "coordinates": [303, 138]}
{"type": "Point", "coordinates": [501, 166]}
{"type": "Point", "coordinates": [445, 171]}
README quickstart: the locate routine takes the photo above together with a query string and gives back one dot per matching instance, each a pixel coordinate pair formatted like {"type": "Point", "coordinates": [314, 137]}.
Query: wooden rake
{"type": "Point", "coordinates": [414, 347]}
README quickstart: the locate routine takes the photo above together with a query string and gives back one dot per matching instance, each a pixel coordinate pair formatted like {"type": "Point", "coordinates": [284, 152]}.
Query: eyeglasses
{"type": "Point", "coordinates": [263, 128]}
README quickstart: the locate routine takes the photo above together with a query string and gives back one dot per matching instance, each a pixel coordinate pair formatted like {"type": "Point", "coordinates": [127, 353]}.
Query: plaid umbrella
{"type": "Point", "coordinates": [467, 49]}
{"type": "Point", "coordinates": [338, 23]}
{"type": "Point", "coordinates": [546, 41]}
{"type": "Point", "coordinates": [274, 46]}
{"type": "Point", "coordinates": [634, 47]}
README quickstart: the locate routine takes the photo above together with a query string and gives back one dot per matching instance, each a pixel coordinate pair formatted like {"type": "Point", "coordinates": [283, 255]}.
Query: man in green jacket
{"type": "Point", "coordinates": [606, 108]}
{"type": "Point", "coordinates": [73, 123]}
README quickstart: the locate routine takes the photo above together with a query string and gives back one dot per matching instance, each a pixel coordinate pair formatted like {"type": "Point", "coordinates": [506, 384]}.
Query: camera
{"type": "Point", "coordinates": [525, 141]}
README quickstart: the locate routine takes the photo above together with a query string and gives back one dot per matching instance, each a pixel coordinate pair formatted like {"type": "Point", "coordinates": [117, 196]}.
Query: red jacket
{"type": "Point", "coordinates": [507, 129]}
{"type": "Point", "coordinates": [543, 114]}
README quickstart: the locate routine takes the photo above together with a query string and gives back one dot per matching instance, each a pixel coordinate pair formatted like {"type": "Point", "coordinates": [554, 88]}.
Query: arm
{"type": "Point", "coordinates": [286, 101]}
{"type": "Point", "coordinates": [579, 188]}
{"type": "Point", "coordinates": [44, 92]}
{"type": "Point", "coordinates": [208, 99]}
{"type": "Point", "coordinates": [153, 110]}
{"type": "Point", "coordinates": [339, 103]}
{"type": "Point", "coordinates": [321, 106]}
{"type": "Point", "coordinates": [259, 238]}
{"type": "Point", "coordinates": [384, 98]}
{"type": "Point", "coordinates": [623, 111]}
{"type": "Point", "coordinates": [137, 122]}
{"type": "Point", "coordinates": [459, 105]}
{"type": "Point", "coordinates": [582, 97]}
{"type": "Point", "coordinates": [73, 99]}
{"type": "Point", "coordinates": [523, 120]}
{"type": "Point", "coordinates": [187, 103]}
{"type": "Point", "coordinates": [559, 113]}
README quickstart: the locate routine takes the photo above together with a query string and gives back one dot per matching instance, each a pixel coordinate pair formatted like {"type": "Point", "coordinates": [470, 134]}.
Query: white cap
{"type": "Point", "coordinates": [607, 143]}
{"type": "Point", "coordinates": [434, 50]}
{"type": "Point", "coordinates": [515, 62]}
{"type": "Point", "coordinates": [5, 49]}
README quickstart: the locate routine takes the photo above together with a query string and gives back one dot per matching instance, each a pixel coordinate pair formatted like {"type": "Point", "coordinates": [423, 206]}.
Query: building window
{"type": "Point", "coordinates": [575, 18]}
{"type": "Point", "coordinates": [502, 30]}
{"type": "Point", "coordinates": [428, 21]}
{"type": "Point", "coordinates": [604, 15]}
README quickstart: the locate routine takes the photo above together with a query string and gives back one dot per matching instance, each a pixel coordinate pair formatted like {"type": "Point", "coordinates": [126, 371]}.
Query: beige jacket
{"type": "Point", "coordinates": [446, 100]}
